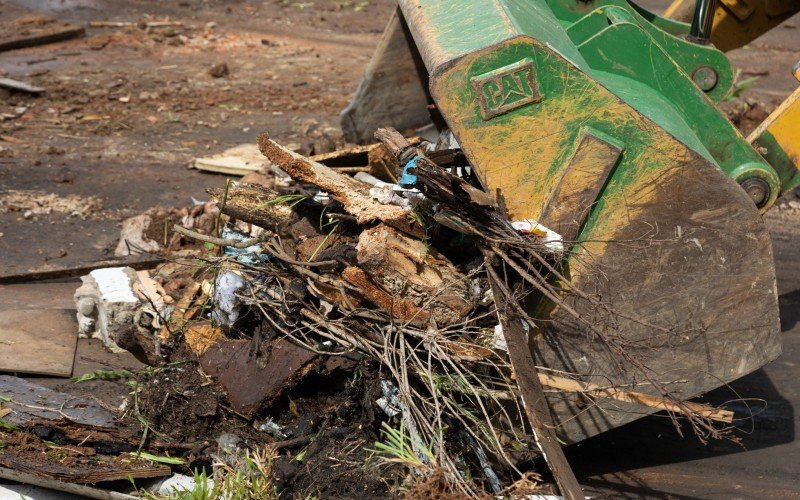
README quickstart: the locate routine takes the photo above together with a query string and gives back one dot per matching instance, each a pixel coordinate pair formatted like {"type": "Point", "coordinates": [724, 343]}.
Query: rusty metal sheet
{"type": "Point", "coordinates": [250, 380]}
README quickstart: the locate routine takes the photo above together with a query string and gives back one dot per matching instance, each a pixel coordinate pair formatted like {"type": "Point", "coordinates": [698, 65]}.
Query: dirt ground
{"type": "Point", "coordinates": [126, 110]}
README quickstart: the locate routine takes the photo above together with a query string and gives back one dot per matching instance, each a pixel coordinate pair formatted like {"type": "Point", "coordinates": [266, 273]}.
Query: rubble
{"type": "Point", "coordinates": [119, 306]}
{"type": "Point", "coordinates": [34, 203]}
{"type": "Point", "coordinates": [300, 288]}
{"type": "Point", "coordinates": [106, 303]}
{"type": "Point", "coordinates": [132, 239]}
{"type": "Point", "coordinates": [306, 312]}
{"type": "Point", "coordinates": [219, 70]}
{"type": "Point", "coordinates": [147, 233]}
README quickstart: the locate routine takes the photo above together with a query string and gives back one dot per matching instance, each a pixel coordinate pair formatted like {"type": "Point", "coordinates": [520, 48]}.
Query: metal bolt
{"type": "Point", "coordinates": [705, 77]}
{"type": "Point", "coordinates": [758, 190]}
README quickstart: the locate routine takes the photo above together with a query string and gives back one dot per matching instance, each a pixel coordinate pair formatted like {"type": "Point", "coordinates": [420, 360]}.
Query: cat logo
{"type": "Point", "coordinates": [507, 88]}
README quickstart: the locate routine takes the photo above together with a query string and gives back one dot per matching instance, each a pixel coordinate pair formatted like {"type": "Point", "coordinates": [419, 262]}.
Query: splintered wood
{"type": "Point", "coordinates": [345, 274]}
{"type": "Point", "coordinates": [408, 268]}
{"type": "Point", "coordinates": [86, 431]}
{"type": "Point", "coordinates": [594, 390]}
{"type": "Point", "coordinates": [354, 195]}
{"type": "Point", "coordinates": [254, 204]}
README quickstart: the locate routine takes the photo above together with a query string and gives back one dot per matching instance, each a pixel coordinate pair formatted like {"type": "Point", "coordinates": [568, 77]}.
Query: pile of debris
{"type": "Point", "coordinates": [338, 320]}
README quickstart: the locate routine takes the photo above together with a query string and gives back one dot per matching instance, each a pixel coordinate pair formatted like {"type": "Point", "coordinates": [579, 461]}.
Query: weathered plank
{"type": "Point", "coordinates": [52, 272]}
{"type": "Point", "coordinates": [254, 204]}
{"type": "Point", "coordinates": [532, 393]}
{"type": "Point", "coordinates": [354, 195]}
{"type": "Point", "coordinates": [74, 489]}
{"type": "Point", "coordinates": [78, 465]}
{"type": "Point", "coordinates": [31, 402]}
{"type": "Point", "coordinates": [22, 28]}
{"type": "Point", "coordinates": [38, 295]}
{"type": "Point", "coordinates": [40, 341]}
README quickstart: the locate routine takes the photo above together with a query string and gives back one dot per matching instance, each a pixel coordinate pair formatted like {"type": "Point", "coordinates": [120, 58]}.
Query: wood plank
{"type": "Point", "coordinates": [38, 295]}
{"type": "Point", "coordinates": [79, 468]}
{"type": "Point", "coordinates": [22, 28]}
{"type": "Point", "coordinates": [238, 160]}
{"type": "Point", "coordinates": [531, 390]}
{"type": "Point", "coordinates": [40, 341]}
{"type": "Point", "coordinates": [254, 204]}
{"type": "Point", "coordinates": [50, 271]}
{"type": "Point", "coordinates": [71, 488]}
{"type": "Point", "coordinates": [660, 403]}
{"type": "Point", "coordinates": [32, 402]}
{"type": "Point", "coordinates": [234, 361]}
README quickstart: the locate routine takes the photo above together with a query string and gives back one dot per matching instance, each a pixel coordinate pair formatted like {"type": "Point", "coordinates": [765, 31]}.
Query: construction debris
{"type": "Point", "coordinates": [304, 284]}
{"type": "Point", "coordinates": [238, 160]}
{"type": "Point", "coordinates": [324, 303]}
{"type": "Point", "coordinates": [10, 84]}
{"type": "Point", "coordinates": [118, 305]}
{"type": "Point", "coordinates": [148, 233]}
{"type": "Point", "coordinates": [22, 28]}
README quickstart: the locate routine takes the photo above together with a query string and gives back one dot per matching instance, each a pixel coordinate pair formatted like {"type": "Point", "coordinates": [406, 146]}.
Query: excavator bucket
{"type": "Point", "coordinates": [599, 120]}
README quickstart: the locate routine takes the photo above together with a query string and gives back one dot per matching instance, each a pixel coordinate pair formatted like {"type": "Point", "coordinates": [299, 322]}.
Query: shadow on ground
{"type": "Point", "coordinates": [610, 464]}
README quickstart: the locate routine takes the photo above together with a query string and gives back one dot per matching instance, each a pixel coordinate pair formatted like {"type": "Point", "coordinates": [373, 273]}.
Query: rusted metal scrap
{"type": "Point", "coordinates": [251, 378]}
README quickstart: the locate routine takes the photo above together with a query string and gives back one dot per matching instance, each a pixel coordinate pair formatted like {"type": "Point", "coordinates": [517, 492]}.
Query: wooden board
{"type": "Point", "coordinates": [233, 361]}
{"type": "Point", "coordinates": [239, 160]}
{"type": "Point", "coordinates": [38, 295]}
{"type": "Point", "coordinates": [32, 403]}
{"type": "Point", "coordinates": [69, 490]}
{"type": "Point", "coordinates": [40, 341]}
{"type": "Point", "coordinates": [51, 271]}
{"type": "Point", "coordinates": [22, 28]}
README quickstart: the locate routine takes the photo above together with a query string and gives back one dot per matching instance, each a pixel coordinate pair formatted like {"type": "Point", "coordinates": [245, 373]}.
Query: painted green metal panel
{"type": "Point", "coordinates": [613, 44]}
{"type": "Point", "coordinates": [688, 56]}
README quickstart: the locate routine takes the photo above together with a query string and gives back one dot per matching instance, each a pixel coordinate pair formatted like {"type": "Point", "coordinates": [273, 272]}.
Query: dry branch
{"type": "Point", "coordinates": [594, 390]}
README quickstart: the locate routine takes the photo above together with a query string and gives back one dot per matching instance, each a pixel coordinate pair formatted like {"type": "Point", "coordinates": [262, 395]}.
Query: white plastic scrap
{"type": "Point", "coordinates": [386, 193]}
{"type": "Point", "coordinates": [178, 485]}
{"type": "Point", "coordinates": [546, 236]}
{"type": "Point", "coordinates": [390, 401]}
{"type": "Point", "coordinates": [273, 429]}
{"type": "Point", "coordinates": [226, 304]}
{"type": "Point", "coordinates": [499, 339]}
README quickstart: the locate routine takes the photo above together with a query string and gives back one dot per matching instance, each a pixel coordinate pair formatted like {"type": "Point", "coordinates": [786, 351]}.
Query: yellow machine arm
{"type": "Point", "coordinates": [738, 22]}
{"type": "Point", "coordinates": [778, 137]}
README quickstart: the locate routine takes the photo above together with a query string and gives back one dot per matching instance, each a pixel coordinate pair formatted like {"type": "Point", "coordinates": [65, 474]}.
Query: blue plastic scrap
{"type": "Point", "coordinates": [409, 179]}
{"type": "Point", "coordinates": [250, 255]}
